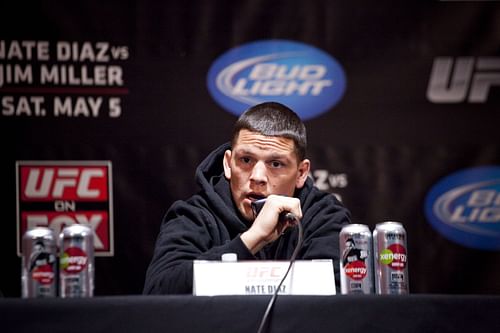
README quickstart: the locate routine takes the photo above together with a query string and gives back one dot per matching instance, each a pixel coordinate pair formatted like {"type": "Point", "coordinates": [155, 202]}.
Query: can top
{"type": "Point", "coordinates": [39, 232]}
{"type": "Point", "coordinates": [355, 227]}
{"type": "Point", "coordinates": [76, 230]}
{"type": "Point", "coordinates": [389, 225]}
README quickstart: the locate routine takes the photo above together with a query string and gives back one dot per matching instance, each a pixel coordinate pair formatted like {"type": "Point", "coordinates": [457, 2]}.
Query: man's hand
{"type": "Point", "coordinates": [266, 227]}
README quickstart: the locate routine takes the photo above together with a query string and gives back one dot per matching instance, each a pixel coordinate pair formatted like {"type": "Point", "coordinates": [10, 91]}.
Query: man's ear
{"type": "Point", "coordinates": [227, 163]}
{"type": "Point", "coordinates": [304, 168]}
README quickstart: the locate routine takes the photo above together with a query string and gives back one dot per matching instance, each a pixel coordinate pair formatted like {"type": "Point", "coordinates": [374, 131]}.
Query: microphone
{"type": "Point", "coordinates": [287, 217]}
{"type": "Point", "coordinates": [284, 216]}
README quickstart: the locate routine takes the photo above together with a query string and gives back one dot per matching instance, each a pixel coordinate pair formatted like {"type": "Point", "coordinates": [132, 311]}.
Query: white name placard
{"type": "Point", "coordinates": [306, 277]}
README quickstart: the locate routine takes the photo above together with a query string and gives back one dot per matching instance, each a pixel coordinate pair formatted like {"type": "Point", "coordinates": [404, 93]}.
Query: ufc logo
{"type": "Point", "coordinates": [64, 183]}
{"type": "Point", "coordinates": [466, 78]}
{"type": "Point", "coordinates": [264, 272]}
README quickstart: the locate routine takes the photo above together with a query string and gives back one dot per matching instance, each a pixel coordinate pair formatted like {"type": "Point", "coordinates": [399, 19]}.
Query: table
{"type": "Point", "coordinates": [186, 313]}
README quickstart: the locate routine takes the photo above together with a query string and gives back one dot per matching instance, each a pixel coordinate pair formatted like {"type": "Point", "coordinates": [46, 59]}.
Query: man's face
{"type": "Point", "coordinates": [260, 165]}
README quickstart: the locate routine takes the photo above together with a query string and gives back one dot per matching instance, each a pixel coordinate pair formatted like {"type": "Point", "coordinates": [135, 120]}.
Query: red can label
{"type": "Point", "coordinates": [43, 274]}
{"type": "Point", "coordinates": [356, 270]}
{"type": "Point", "coordinates": [73, 260]}
{"type": "Point", "coordinates": [394, 256]}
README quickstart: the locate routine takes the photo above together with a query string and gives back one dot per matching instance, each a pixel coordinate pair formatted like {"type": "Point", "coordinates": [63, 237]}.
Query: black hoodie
{"type": "Point", "coordinates": [208, 225]}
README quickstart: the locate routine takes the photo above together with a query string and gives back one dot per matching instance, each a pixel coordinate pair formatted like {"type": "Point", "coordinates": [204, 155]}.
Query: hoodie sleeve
{"type": "Point", "coordinates": [186, 233]}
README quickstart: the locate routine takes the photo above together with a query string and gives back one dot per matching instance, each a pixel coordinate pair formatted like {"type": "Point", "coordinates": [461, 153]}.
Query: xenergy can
{"type": "Point", "coordinates": [391, 261]}
{"type": "Point", "coordinates": [39, 263]}
{"type": "Point", "coordinates": [356, 263]}
{"type": "Point", "coordinates": [76, 262]}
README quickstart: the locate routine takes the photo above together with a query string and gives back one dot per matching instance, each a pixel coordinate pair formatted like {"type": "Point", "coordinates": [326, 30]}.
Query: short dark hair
{"type": "Point", "coordinates": [274, 119]}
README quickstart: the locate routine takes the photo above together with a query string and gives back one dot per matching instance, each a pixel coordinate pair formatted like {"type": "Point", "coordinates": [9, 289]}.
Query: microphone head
{"type": "Point", "coordinates": [288, 217]}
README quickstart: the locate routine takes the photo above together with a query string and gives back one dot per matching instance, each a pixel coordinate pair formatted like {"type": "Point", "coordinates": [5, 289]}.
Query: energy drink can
{"type": "Point", "coordinates": [356, 263]}
{"type": "Point", "coordinates": [391, 260]}
{"type": "Point", "coordinates": [39, 263]}
{"type": "Point", "coordinates": [76, 262]}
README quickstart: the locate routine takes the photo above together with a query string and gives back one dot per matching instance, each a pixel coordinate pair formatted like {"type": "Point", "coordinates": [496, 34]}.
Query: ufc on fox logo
{"type": "Point", "coordinates": [55, 194]}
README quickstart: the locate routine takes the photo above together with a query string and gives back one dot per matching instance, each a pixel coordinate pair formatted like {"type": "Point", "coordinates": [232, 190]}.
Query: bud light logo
{"type": "Point", "coordinates": [465, 207]}
{"type": "Point", "coordinates": [298, 75]}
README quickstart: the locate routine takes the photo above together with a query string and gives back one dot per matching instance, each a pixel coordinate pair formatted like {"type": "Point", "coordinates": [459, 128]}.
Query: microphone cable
{"type": "Point", "coordinates": [292, 260]}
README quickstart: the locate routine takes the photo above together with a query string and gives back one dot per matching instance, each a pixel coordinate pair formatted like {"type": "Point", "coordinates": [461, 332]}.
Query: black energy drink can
{"type": "Point", "coordinates": [391, 259]}
{"type": "Point", "coordinates": [39, 263]}
{"type": "Point", "coordinates": [356, 263]}
{"type": "Point", "coordinates": [76, 261]}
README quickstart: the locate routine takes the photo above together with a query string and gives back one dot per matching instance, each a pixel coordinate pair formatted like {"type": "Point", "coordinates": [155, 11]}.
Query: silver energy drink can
{"type": "Point", "coordinates": [356, 263]}
{"type": "Point", "coordinates": [391, 259]}
{"type": "Point", "coordinates": [76, 261]}
{"type": "Point", "coordinates": [39, 263]}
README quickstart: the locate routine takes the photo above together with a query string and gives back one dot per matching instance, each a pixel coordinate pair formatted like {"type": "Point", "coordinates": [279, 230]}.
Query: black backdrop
{"type": "Point", "coordinates": [382, 147]}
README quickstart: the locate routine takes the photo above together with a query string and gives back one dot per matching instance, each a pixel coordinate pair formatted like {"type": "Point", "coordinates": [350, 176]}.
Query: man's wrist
{"type": "Point", "coordinates": [253, 242]}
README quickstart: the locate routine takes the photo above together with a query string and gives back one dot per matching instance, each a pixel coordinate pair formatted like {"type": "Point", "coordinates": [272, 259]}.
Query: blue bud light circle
{"type": "Point", "coordinates": [305, 78]}
{"type": "Point", "coordinates": [465, 207]}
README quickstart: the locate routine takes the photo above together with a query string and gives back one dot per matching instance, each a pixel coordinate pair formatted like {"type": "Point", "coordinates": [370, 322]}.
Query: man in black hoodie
{"type": "Point", "coordinates": [265, 159]}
